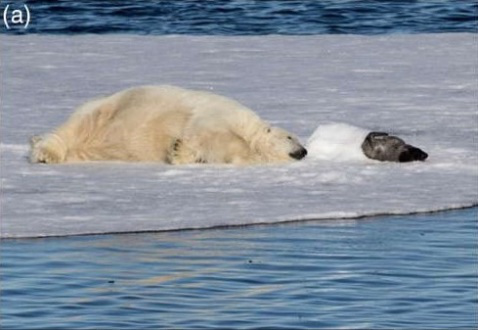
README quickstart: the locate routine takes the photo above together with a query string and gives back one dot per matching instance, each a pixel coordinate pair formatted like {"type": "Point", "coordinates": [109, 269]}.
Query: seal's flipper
{"type": "Point", "coordinates": [372, 135]}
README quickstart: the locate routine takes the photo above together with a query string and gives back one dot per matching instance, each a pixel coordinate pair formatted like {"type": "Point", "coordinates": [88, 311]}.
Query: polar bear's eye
{"type": "Point", "coordinates": [289, 137]}
{"type": "Point", "coordinates": [268, 130]}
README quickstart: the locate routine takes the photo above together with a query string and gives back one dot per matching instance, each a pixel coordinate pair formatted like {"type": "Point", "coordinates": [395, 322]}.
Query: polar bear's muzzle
{"type": "Point", "coordinates": [299, 153]}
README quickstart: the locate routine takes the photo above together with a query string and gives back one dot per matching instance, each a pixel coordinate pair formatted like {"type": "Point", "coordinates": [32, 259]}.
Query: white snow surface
{"type": "Point", "coordinates": [422, 88]}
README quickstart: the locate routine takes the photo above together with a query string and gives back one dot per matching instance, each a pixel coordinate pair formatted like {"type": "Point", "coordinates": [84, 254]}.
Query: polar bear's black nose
{"type": "Point", "coordinates": [299, 154]}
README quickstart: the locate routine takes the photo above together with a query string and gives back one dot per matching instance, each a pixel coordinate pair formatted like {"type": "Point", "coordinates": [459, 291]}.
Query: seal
{"type": "Point", "coordinates": [384, 147]}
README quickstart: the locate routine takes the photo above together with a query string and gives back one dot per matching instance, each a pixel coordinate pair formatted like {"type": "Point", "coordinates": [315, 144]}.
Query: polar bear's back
{"type": "Point", "coordinates": [135, 107]}
{"type": "Point", "coordinates": [163, 98]}
{"type": "Point", "coordinates": [144, 104]}
{"type": "Point", "coordinates": [132, 109]}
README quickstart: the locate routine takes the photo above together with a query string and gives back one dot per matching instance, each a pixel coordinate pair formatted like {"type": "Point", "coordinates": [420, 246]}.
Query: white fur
{"type": "Point", "coordinates": [165, 124]}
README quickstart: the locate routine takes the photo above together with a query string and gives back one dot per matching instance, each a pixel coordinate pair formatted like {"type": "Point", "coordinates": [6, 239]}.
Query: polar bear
{"type": "Point", "coordinates": [166, 124]}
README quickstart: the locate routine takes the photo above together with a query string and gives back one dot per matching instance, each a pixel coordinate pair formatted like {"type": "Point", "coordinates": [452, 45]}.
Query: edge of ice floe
{"type": "Point", "coordinates": [323, 217]}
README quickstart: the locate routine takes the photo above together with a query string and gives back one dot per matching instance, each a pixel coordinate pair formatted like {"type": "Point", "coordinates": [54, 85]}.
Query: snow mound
{"type": "Point", "coordinates": [337, 142]}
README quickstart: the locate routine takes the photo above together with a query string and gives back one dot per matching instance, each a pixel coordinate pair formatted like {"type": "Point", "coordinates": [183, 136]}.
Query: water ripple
{"type": "Point", "coordinates": [248, 17]}
{"type": "Point", "coordinates": [391, 272]}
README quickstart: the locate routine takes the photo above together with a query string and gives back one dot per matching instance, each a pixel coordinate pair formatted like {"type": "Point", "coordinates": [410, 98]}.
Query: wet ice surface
{"type": "Point", "coordinates": [421, 88]}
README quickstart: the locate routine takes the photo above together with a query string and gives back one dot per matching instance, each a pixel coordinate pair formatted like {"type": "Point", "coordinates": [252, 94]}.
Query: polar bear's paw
{"type": "Point", "coordinates": [180, 153]}
{"type": "Point", "coordinates": [47, 150]}
{"type": "Point", "coordinates": [175, 156]}
{"type": "Point", "coordinates": [173, 152]}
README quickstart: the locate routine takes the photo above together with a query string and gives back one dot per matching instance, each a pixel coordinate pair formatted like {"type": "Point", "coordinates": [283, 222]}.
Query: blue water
{"type": "Point", "coordinates": [249, 17]}
{"type": "Point", "coordinates": [401, 272]}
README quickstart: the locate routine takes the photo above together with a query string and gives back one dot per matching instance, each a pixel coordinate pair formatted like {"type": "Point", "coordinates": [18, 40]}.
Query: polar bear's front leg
{"type": "Point", "coordinates": [181, 153]}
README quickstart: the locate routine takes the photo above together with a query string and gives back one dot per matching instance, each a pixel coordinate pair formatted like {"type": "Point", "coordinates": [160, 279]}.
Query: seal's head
{"type": "Point", "coordinates": [384, 147]}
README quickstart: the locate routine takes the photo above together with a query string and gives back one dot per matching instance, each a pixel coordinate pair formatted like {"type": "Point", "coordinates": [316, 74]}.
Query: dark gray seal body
{"type": "Point", "coordinates": [384, 147]}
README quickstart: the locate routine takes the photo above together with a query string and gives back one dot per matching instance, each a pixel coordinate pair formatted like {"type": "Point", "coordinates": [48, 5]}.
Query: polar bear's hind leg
{"type": "Point", "coordinates": [48, 149]}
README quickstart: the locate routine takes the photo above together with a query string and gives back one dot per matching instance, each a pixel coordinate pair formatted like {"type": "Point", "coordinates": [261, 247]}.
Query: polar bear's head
{"type": "Point", "coordinates": [276, 144]}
